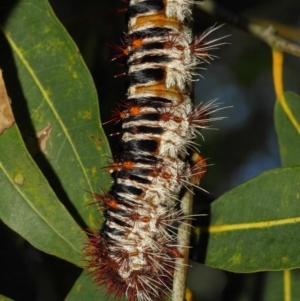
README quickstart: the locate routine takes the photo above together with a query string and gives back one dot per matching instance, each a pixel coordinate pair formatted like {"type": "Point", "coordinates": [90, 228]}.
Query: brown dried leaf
{"type": "Point", "coordinates": [43, 136]}
{"type": "Point", "coordinates": [6, 115]}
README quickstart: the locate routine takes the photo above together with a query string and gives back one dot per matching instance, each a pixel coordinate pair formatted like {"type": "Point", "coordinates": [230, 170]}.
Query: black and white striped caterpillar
{"type": "Point", "coordinates": [135, 251]}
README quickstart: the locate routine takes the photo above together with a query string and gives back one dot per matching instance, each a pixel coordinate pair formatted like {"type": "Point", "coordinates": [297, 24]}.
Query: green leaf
{"type": "Point", "coordinates": [60, 95]}
{"type": "Point", "coordinates": [30, 207]}
{"type": "Point", "coordinates": [254, 226]}
{"type": "Point", "coordinates": [3, 298]}
{"type": "Point", "coordinates": [288, 137]}
{"type": "Point", "coordinates": [283, 285]}
{"type": "Point", "coordinates": [84, 289]}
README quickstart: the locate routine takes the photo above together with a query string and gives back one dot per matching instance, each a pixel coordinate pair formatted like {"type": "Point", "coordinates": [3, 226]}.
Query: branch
{"type": "Point", "coordinates": [183, 240]}
{"type": "Point", "coordinates": [266, 34]}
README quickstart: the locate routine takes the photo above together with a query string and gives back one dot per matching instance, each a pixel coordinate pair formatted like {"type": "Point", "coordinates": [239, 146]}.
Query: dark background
{"type": "Point", "coordinates": [243, 146]}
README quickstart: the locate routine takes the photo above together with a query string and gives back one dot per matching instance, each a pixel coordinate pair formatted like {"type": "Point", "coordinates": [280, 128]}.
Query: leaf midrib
{"type": "Point", "coordinates": [247, 226]}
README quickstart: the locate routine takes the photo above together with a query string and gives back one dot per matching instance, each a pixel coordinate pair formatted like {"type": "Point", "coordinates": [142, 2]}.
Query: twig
{"type": "Point", "coordinates": [183, 239]}
{"type": "Point", "coordinates": [266, 34]}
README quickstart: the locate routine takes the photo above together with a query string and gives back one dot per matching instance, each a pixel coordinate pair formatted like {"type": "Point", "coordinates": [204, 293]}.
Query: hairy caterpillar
{"type": "Point", "coordinates": [135, 251]}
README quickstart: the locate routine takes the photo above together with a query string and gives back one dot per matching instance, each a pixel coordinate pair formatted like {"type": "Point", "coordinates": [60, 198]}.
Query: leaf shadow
{"type": "Point", "coordinates": [244, 286]}
{"type": "Point", "coordinates": [199, 242]}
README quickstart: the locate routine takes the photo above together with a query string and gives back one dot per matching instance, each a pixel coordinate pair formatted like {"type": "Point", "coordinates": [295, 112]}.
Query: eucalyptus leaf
{"type": "Point", "coordinates": [3, 298]}
{"type": "Point", "coordinates": [288, 137]}
{"type": "Point", "coordinates": [60, 95]}
{"type": "Point", "coordinates": [254, 226]}
{"type": "Point", "coordinates": [30, 207]}
{"type": "Point", "coordinates": [85, 289]}
{"type": "Point", "coordinates": [283, 285]}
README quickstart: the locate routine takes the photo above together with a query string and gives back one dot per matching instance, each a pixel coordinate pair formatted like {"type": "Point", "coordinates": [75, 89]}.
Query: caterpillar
{"type": "Point", "coordinates": [135, 252]}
